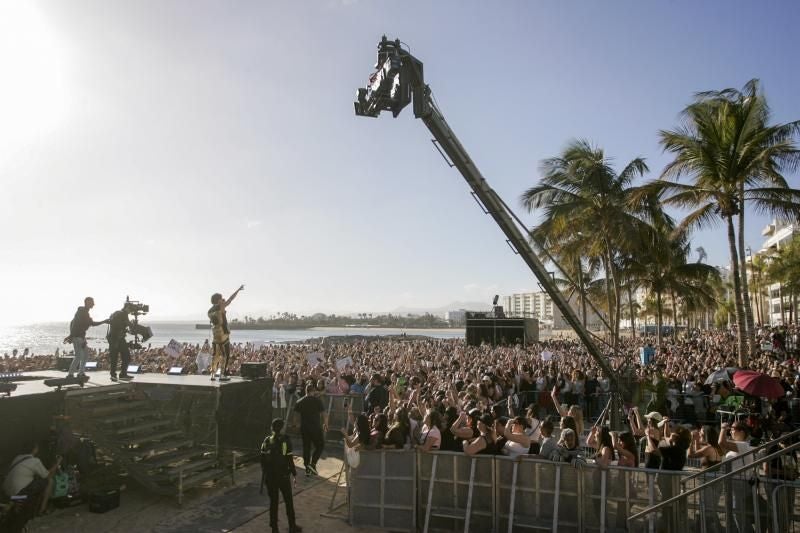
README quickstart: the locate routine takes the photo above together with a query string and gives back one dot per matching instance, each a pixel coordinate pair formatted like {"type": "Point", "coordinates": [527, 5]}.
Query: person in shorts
{"type": "Point", "coordinates": [217, 315]}
{"type": "Point", "coordinates": [29, 477]}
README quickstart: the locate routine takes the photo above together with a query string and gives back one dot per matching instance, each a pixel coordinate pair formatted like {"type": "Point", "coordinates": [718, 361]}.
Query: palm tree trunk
{"type": "Point", "coordinates": [617, 308]}
{"type": "Point", "coordinates": [748, 311]}
{"type": "Point", "coordinates": [658, 321]}
{"type": "Point", "coordinates": [613, 309]}
{"type": "Point", "coordinates": [633, 318]}
{"type": "Point", "coordinates": [582, 289]}
{"type": "Point", "coordinates": [737, 294]}
{"type": "Point", "coordinates": [674, 315]}
{"type": "Point", "coordinates": [607, 268]}
{"type": "Point", "coordinates": [783, 311]}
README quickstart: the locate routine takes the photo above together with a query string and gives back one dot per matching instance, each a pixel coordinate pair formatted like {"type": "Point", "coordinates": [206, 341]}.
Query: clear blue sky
{"type": "Point", "coordinates": [168, 150]}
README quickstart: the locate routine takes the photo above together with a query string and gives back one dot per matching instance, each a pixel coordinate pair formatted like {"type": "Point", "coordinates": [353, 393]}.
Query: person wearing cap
{"type": "Point", "coordinates": [654, 436]}
{"type": "Point", "coordinates": [277, 464]}
{"type": "Point", "coordinates": [485, 440]}
{"type": "Point", "coordinates": [567, 449]}
{"type": "Point", "coordinates": [672, 454]}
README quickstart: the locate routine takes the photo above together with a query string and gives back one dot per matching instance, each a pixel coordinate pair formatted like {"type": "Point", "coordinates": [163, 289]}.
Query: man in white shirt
{"type": "Point", "coordinates": [28, 477]}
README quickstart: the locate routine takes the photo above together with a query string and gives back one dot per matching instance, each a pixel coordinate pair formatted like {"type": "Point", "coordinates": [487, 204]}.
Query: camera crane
{"type": "Point", "coordinates": [399, 81]}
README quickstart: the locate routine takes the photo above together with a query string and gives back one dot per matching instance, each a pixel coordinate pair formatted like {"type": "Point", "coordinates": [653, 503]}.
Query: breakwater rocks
{"type": "Point", "coordinates": [352, 339]}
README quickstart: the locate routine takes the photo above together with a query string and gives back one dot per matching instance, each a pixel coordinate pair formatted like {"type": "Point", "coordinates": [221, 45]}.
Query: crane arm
{"type": "Point", "coordinates": [399, 81]}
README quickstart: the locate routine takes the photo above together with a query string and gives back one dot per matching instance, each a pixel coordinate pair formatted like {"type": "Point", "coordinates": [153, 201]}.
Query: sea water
{"type": "Point", "coordinates": [45, 338]}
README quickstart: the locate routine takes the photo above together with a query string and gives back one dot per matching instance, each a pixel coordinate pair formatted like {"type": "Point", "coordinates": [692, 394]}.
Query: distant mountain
{"type": "Point", "coordinates": [455, 306]}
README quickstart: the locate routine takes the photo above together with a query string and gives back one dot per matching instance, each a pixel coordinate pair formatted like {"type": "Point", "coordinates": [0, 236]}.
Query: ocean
{"type": "Point", "coordinates": [45, 338]}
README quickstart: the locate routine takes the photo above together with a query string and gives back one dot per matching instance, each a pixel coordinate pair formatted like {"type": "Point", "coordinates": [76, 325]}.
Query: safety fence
{"type": "Point", "coordinates": [401, 490]}
{"type": "Point", "coordinates": [337, 407]}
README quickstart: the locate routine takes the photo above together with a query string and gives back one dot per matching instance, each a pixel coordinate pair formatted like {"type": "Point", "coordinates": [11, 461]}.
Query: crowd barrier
{"type": "Point", "coordinates": [336, 409]}
{"type": "Point", "coordinates": [401, 490]}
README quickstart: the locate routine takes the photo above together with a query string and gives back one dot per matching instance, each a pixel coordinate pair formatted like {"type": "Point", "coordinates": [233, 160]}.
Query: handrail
{"type": "Point", "coordinates": [752, 451]}
{"type": "Point", "coordinates": [715, 480]}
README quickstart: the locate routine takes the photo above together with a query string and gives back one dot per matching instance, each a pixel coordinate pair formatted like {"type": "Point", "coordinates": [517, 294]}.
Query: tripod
{"type": "Point", "coordinates": [613, 411]}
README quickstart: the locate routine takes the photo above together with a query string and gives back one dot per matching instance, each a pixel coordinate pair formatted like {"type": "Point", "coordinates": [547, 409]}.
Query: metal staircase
{"type": "Point", "coordinates": [152, 448]}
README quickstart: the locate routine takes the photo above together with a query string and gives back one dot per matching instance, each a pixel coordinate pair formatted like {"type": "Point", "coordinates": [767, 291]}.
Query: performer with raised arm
{"type": "Point", "coordinates": [219, 326]}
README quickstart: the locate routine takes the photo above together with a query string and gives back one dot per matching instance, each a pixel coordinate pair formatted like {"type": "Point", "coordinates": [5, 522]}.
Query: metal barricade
{"type": "Point", "coordinates": [383, 490]}
{"type": "Point", "coordinates": [456, 492]}
{"type": "Point", "coordinates": [445, 491]}
{"type": "Point", "coordinates": [536, 494]}
{"type": "Point", "coordinates": [337, 406]}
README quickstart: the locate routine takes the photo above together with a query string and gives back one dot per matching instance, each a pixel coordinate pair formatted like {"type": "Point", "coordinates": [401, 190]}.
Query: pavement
{"type": "Point", "coordinates": [227, 506]}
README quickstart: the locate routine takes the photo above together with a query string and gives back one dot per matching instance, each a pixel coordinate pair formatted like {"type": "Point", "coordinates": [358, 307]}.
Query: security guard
{"type": "Point", "coordinates": [276, 465]}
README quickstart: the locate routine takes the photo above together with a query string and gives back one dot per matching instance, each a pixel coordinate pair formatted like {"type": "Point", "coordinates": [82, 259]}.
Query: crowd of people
{"type": "Point", "coordinates": [545, 399]}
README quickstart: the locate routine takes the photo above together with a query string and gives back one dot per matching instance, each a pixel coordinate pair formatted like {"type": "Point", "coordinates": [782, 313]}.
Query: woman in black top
{"type": "Point", "coordinates": [673, 457]}
{"type": "Point", "coordinates": [450, 442]}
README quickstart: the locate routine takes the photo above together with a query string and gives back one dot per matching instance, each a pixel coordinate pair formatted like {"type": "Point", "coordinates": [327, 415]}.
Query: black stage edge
{"type": "Point", "coordinates": [232, 415]}
{"type": "Point", "coordinates": [25, 419]}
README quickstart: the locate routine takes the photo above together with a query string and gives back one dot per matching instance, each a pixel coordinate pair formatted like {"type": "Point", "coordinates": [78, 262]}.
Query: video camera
{"type": "Point", "coordinates": [135, 308]}
{"type": "Point", "coordinates": [140, 332]}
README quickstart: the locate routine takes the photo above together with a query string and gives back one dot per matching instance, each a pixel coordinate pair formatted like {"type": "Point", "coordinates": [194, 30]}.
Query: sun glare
{"type": "Point", "coordinates": [33, 87]}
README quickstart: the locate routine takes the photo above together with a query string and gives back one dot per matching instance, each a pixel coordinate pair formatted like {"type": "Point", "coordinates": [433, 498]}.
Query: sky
{"type": "Point", "coordinates": [167, 150]}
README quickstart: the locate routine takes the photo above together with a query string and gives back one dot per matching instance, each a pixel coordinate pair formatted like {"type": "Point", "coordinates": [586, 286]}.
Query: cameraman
{"type": "Point", "coordinates": [118, 324]}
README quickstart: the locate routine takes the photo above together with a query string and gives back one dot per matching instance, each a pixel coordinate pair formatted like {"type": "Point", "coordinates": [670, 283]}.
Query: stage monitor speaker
{"type": "Point", "coordinates": [501, 331]}
{"type": "Point", "coordinates": [63, 363]}
{"type": "Point", "coordinates": [91, 366]}
{"type": "Point", "coordinates": [134, 369]}
{"type": "Point", "coordinates": [254, 370]}
{"type": "Point", "coordinates": [175, 371]}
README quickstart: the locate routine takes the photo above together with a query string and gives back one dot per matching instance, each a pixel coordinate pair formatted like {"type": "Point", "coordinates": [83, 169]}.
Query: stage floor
{"type": "Point", "coordinates": [100, 378]}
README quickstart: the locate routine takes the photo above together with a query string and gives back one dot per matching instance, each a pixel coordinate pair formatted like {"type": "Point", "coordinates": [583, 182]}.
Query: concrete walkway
{"type": "Point", "coordinates": [225, 507]}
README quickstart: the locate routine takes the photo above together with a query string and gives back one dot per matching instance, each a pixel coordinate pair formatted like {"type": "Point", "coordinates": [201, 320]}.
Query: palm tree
{"type": "Point", "coordinates": [584, 202]}
{"type": "Point", "coordinates": [734, 157]}
{"type": "Point", "coordinates": [662, 267]}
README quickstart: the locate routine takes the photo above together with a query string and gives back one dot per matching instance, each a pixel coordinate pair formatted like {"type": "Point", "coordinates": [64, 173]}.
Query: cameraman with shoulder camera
{"type": "Point", "coordinates": [222, 335]}
{"type": "Point", "coordinates": [118, 324]}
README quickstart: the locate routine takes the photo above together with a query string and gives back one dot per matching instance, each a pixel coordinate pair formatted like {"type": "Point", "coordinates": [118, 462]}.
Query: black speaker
{"type": "Point", "coordinates": [101, 501]}
{"type": "Point", "coordinates": [501, 331]}
{"type": "Point", "coordinates": [62, 363]}
{"type": "Point", "coordinates": [254, 370]}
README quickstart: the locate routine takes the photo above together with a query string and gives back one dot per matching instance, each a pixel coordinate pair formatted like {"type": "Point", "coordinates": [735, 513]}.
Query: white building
{"type": "Point", "coordinates": [778, 233]}
{"type": "Point", "coordinates": [456, 318]}
{"type": "Point", "coordinates": [540, 306]}
{"type": "Point", "coordinates": [529, 305]}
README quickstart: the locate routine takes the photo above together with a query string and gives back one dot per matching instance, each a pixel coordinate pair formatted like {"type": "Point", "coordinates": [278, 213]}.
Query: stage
{"type": "Point", "coordinates": [228, 415]}
{"type": "Point", "coordinates": [28, 384]}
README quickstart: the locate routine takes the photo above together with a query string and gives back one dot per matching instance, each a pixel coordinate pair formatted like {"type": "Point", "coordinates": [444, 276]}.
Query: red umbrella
{"type": "Point", "coordinates": [758, 384]}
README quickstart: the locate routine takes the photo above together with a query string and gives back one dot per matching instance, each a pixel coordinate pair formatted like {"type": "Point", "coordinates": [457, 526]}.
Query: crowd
{"type": "Point", "coordinates": [545, 399]}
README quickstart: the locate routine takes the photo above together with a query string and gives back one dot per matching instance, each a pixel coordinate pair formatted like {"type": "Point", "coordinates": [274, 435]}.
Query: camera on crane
{"type": "Point", "coordinates": [388, 88]}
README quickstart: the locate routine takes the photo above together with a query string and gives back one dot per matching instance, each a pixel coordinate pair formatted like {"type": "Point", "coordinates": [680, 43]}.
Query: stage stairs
{"type": "Point", "coordinates": [152, 448]}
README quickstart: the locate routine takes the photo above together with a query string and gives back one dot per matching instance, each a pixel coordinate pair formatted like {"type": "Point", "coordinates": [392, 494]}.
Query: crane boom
{"type": "Point", "coordinates": [397, 82]}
